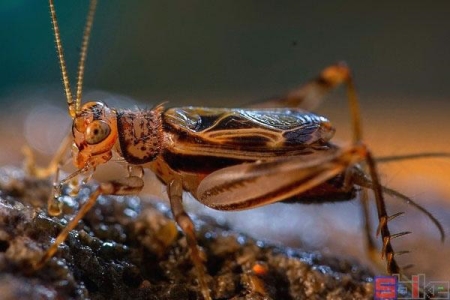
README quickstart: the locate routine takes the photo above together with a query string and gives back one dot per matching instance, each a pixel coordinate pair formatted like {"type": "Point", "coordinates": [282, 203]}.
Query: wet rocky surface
{"type": "Point", "coordinates": [128, 248]}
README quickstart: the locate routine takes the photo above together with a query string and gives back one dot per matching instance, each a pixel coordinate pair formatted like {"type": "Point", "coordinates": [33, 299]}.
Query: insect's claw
{"type": "Point", "coordinates": [54, 206]}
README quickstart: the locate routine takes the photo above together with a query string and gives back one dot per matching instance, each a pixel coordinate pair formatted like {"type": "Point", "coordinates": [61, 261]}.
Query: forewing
{"type": "Point", "coordinates": [256, 128]}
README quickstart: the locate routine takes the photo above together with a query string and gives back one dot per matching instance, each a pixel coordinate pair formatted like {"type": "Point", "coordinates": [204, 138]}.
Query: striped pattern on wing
{"type": "Point", "coordinates": [249, 128]}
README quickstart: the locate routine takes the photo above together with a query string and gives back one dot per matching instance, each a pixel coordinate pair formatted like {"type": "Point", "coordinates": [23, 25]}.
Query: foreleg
{"type": "Point", "coordinates": [126, 186]}
{"type": "Point", "coordinates": [58, 159]}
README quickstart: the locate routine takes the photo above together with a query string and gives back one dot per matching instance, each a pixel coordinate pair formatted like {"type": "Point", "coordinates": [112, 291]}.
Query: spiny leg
{"type": "Point", "coordinates": [359, 178]}
{"type": "Point", "coordinates": [342, 74]}
{"type": "Point", "coordinates": [175, 191]}
{"type": "Point", "coordinates": [308, 97]}
{"type": "Point", "coordinates": [125, 186]}
{"type": "Point", "coordinates": [383, 229]}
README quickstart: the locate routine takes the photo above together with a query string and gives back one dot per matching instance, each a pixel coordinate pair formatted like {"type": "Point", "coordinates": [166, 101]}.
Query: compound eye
{"type": "Point", "coordinates": [96, 132]}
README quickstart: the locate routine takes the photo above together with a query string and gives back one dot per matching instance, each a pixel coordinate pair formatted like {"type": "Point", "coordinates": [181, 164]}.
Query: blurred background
{"type": "Point", "coordinates": [227, 53]}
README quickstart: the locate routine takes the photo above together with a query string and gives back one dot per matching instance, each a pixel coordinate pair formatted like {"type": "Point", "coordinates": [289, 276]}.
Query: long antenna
{"type": "Point", "coordinates": [62, 63]}
{"type": "Point", "coordinates": [73, 106]}
{"type": "Point", "coordinates": [84, 47]}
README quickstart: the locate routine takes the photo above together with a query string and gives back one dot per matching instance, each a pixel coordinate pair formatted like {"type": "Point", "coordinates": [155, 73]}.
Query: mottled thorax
{"type": "Point", "coordinates": [140, 134]}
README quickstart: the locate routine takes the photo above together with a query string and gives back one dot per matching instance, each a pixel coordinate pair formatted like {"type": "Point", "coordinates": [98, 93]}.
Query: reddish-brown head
{"type": "Point", "coordinates": [95, 133]}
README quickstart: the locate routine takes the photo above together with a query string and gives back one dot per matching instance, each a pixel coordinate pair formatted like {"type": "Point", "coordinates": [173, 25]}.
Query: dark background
{"type": "Point", "coordinates": [181, 50]}
{"type": "Point", "coordinates": [225, 53]}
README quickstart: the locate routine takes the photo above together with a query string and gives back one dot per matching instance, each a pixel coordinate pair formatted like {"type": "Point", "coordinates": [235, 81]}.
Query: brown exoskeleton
{"type": "Point", "coordinates": [228, 159]}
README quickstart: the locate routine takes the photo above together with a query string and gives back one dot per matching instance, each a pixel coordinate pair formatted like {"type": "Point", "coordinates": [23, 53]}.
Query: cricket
{"type": "Point", "coordinates": [227, 158]}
